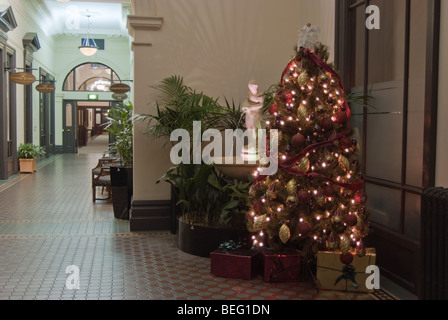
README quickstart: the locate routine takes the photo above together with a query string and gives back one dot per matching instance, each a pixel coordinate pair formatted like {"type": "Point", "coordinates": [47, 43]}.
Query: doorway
{"type": "Point", "coordinates": [84, 122]}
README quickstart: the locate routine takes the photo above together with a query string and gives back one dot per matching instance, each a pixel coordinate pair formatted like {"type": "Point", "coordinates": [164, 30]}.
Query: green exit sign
{"type": "Point", "coordinates": [92, 97]}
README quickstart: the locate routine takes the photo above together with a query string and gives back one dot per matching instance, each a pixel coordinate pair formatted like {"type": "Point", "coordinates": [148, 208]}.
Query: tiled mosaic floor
{"type": "Point", "coordinates": [48, 222]}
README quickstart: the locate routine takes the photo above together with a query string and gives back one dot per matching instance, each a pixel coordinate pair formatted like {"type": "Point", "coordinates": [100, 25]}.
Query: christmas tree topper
{"type": "Point", "coordinates": [308, 37]}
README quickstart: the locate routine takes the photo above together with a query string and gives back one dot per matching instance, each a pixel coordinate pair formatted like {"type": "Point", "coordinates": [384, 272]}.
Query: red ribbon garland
{"type": "Point", "coordinates": [349, 186]}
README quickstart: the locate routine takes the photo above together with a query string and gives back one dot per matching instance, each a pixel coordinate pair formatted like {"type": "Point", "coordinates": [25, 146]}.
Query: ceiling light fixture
{"type": "Point", "coordinates": [88, 47]}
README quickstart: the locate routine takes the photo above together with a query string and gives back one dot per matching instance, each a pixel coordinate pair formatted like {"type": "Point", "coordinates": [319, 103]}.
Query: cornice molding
{"type": "Point", "coordinates": [144, 23]}
{"type": "Point", "coordinates": [7, 20]}
{"type": "Point", "coordinates": [138, 26]}
{"type": "Point", "coordinates": [31, 42]}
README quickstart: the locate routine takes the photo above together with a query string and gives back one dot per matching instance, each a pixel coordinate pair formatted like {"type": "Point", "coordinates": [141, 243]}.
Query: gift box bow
{"type": "Point", "coordinates": [348, 274]}
{"type": "Point", "coordinates": [229, 246]}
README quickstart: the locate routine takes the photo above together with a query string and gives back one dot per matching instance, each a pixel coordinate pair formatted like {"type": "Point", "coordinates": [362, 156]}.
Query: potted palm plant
{"type": "Point", "coordinates": [27, 154]}
{"type": "Point", "coordinates": [208, 208]}
{"type": "Point", "coordinates": [120, 127]}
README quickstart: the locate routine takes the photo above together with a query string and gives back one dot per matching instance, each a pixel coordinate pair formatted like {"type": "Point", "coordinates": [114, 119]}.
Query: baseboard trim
{"type": "Point", "coordinates": [148, 215]}
{"type": "Point", "coordinates": [59, 149]}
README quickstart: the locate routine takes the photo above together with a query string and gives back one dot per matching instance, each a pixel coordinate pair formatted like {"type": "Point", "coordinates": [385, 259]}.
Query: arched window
{"type": "Point", "coordinates": [90, 77]}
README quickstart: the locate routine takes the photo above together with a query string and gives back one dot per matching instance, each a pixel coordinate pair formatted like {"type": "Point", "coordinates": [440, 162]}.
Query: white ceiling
{"type": "Point", "coordinates": [106, 16]}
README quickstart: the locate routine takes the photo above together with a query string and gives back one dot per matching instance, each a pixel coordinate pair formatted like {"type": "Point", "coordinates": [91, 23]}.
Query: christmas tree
{"type": "Point", "coordinates": [315, 201]}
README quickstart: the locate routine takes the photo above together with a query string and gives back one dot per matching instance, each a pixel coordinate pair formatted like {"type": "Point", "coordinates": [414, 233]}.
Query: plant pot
{"type": "Point", "coordinates": [27, 165]}
{"type": "Point", "coordinates": [121, 179]}
{"type": "Point", "coordinates": [202, 240]}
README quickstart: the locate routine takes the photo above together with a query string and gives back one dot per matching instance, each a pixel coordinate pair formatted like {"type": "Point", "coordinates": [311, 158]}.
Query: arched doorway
{"type": "Point", "coordinates": [84, 119]}
{"type": "Point", "coordinates": [90, 77]}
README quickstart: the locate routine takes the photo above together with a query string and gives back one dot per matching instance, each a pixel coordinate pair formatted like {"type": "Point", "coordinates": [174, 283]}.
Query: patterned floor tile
{"type": "Point", "coordinates": [48, 223]}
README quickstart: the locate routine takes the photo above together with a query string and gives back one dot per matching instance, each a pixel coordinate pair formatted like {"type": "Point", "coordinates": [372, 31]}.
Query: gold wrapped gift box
{"type": "Point", "coordinates": [332, 274]}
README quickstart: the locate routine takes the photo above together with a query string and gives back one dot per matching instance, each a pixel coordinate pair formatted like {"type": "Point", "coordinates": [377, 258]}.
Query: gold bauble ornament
{"type": "Point", "coordinates": [303, 165]}
{"type": "Point", "coordinates": [302, 112]}
{"type": "Point", "coordinates": [284, 233]}
{"type": "Point", "coordinates": [291, 186]}
{"type": "Point", "coordinates": [324, 78]}
{"type": "Point", "coordinates": [344, 163]}
{"type": "Point", "coordinates": [337, 217]}
{"type": "Point", "coordinates": [344, 244]}
{"type": "Point", "coordinates": [259, 222]}
{"type": "Point", "coordinates": [303, 79]}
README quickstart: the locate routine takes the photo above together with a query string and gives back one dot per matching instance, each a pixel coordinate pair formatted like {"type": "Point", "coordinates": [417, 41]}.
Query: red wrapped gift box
{"type": "Point", "coordinates": [281, 266]}
{"type": "Point", "coordinates": [236, 264]}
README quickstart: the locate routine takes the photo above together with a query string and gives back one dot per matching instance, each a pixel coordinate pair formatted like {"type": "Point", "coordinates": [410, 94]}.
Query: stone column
{"type": "Point", "coordinates": [151, 203]}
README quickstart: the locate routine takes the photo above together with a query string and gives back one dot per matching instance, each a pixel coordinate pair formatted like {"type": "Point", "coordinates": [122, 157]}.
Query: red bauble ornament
{"type": "Point", "coordinates": [360, 250]}
{"type": "Point", "coordinates": [286, 96]}
{"type": "Point", "coordinates": [327, 124]}
{"type": "Point", "coordinates": [303, 229]}
{"type": "Point", "coordinates": [328, 190]}
{"type": "Point", "coordinates": [360, 197]}
{"type": "Point", "coordinates": [346, 142]}
{"type": "Point", "coordinates": [303, 197]}
{"type": "Point", "coordinates": [257, 206]}
{"type": "Point", "coordinates": [273, 109]}
{"type": "Point", "coordinates": [340, 117]}
{"type": "Point", "coordinates": [346, 258]}
{"type": "Point", "coordinates": [350, 219]}
{"type": "Point", "coordinates": [298, 140]}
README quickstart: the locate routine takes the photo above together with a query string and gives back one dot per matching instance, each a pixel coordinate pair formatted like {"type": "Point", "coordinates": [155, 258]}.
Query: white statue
{"type": "Point", "coordinates": [252, 107]}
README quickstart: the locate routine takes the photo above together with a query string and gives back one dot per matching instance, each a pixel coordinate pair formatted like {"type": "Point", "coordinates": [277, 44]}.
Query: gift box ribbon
{"type": "Point", "coordinates": [280, 269]}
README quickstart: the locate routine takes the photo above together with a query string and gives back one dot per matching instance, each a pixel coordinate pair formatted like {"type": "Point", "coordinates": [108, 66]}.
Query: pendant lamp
{"type": "Point", "coordinates": [88, 47]}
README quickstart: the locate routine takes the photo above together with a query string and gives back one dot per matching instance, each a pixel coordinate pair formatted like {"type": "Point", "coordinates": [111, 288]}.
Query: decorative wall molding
{"type": "Point", "coordinates": [139, 26]}
{"type": "Point", "coordinates": [7, 20]}
{"type": "Point", "coordinates": [31, 42]}
{"type": "Point", "coordinates": [144, 23]}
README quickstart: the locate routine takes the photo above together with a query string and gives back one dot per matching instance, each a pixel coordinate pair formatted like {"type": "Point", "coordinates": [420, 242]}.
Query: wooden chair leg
{"type": "Point", "coordinates": [94, 193]}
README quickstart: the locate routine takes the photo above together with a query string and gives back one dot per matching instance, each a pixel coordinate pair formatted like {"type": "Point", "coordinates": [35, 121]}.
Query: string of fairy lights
{"type": "Point", "coordinates": [316, 193]}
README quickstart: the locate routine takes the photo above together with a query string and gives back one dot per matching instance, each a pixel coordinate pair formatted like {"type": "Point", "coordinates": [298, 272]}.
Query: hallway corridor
{"type": "Point", "coordinates": [49, 222]}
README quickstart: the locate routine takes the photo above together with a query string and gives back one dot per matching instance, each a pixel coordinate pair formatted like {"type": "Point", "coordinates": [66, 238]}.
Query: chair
{"type": "Point", "coordinates": [101, 177]}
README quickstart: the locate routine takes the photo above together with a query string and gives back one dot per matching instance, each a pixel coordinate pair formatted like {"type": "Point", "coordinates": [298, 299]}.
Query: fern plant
{"type": "Point", "coordinates": [178, 107]}
{"type": "Point", "coordinates": [30, 151]}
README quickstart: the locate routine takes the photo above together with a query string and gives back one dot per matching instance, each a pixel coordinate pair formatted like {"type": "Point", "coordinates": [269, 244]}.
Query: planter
{"type": "Point", "coordinates": [201, 240]}
{"type": "Point", "coordinates": [121, 179]}
{"type": "Point", "coordinates": [240, 172]}
{"type": "Point", "coordinates": [27, 165]}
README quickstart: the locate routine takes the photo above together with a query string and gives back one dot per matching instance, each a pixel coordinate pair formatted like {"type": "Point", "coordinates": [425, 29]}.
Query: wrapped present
{"type": "Point", "coordinates": [344, 272]}
{"type": "Point", "coordinates": [281, 266]}
{"type": "Point", "coordinates": [236, 263]}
